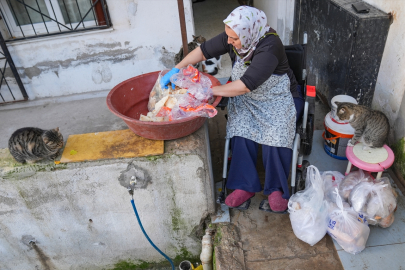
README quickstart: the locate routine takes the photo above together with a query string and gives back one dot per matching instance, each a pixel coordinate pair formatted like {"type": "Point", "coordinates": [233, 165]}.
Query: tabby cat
{"type": "Point", "coordinates": [33, 144]}
{"type": "Point", "coordinates": [197, 40]}
{"type": "Point", "coordinates": [371, 126]}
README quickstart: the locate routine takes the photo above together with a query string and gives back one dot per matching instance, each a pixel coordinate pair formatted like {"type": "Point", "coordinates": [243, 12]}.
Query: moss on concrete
{"type": "Point", "coordinates": [182, 255]}
{"type": "Point", "coordinates": [154, 158]}
{"type": "Point", "coordinates": [178, 222]}
{"type": "Point", "coordinates": [11, 169]}
{"type": "Point", "coordinates": [399, 152]}
{"type": "Point", "coordinates": [185, 255]}
{"type": "Point", "coordinates": [127, 265]}
{"type": "Point", "coordinates": [218, 236]}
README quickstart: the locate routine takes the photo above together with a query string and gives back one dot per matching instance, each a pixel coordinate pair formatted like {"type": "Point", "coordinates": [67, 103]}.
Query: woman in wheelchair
{"type": "Point", "coordinates": [262, 108]}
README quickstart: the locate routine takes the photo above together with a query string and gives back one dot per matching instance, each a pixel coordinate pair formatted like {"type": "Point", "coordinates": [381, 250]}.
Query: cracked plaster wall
{"type": "Point", "coordinates": [144, 38]}
{"type": "Point", "coordinates": [390, 87]}
{"type": "Point", "coordinates": [280, 16]}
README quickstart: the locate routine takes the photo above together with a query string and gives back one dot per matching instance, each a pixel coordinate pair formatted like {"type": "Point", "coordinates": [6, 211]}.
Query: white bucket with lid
{"type": "Point", "coordinates": [340, 98]}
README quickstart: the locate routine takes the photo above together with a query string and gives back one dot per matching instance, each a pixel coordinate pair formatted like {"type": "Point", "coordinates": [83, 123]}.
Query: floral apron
{"type": "Point", "coordinates": [265, 115]}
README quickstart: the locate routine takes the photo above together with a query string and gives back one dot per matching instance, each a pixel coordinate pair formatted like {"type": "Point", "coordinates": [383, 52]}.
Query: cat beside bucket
{"type": "Point", "coordinates": [349, 123]}
{"type": "Point", "coordinates": [337, 133]}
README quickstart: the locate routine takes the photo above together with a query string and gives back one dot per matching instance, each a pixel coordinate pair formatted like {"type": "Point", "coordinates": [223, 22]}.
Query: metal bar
{"type": "Point", "coordinates": [67, 13]}
{"type": "Point", "coordinates": [2, 98]}
{"type": "Point", "coordinates": [29, 17]}
{"type": "Point", "coordinates": [4, 77]}
{"type": "Point", "coordinates": [15, 16]}
{"type": "Point", "coordinates": [180, 5]}
{"type": "Point", "coordinates": [14, 101]}
{"type": "Point", "coordinates": [94, 15]}
{"type": "Point", "coordinates": [81, 18]}
{"type": "Point", "coordinates": [5, 21]}
{"type": "Point", "coordinates": [12, 66]}
{"type": "Point", "coordinates": [85, 16]}
{"type": "Point", "coordinates": [57, 33]}
{"type": "Point", "coordinates": [54, 14]}
{"type": "Point", "coordinates": [42, 16]}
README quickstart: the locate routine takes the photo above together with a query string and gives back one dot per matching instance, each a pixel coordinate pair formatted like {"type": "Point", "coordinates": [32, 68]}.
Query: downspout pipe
{"type": "Point", "coordinates": [182, 17]}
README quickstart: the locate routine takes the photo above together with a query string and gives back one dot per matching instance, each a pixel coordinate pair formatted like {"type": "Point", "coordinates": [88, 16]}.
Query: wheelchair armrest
{"type": "Point", "coordinates": [223, 103]}
{"type": "Point", "coordinates": [310, 95]}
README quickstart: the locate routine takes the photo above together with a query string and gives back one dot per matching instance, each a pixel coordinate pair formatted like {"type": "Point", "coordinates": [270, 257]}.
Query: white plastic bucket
{"type": "Point", "coordinates": [340, 98]}
{"type": "Point", "coordinates": [336, 136]}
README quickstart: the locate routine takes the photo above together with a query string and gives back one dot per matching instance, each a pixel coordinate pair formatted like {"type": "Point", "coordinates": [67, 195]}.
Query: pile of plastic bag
{"type": "Point", "coordinates": [191, 97]}
{"type": "Point", "coordinates": [342, 206]}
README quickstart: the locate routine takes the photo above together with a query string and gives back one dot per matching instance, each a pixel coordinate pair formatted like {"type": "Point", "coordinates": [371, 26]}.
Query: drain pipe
{"type": "Point", "coordinates": [182, 17]}
{"type": "Point", "coordinates": [206, 253]}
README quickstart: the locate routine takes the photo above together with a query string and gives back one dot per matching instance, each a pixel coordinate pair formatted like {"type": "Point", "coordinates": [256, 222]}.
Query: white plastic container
{"type": "Point", "coordinates": [340, 98]}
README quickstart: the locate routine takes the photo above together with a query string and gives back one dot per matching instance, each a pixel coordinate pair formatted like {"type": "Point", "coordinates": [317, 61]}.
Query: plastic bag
{"type": "Point", "coordinates": [347, 227]}
{"type": "Point", "coordinates": [331, 181]}
{"type": "Point", "coordinates": [350, 181]}
{"type": "Point", "coordinates": [190, 97]}
{"type": "Point", "coordinates": [375, 200]}
{"type": "Point", "coordinates": [198, 85]}
{"type": "Point", "coordinates": [308, 209]}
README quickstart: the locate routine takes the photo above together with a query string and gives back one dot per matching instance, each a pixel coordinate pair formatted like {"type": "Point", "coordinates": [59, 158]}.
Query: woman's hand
{"type": "Point", "coordinates": [232, 89]}
{"type": "Point", "coordinates": [166, 78]}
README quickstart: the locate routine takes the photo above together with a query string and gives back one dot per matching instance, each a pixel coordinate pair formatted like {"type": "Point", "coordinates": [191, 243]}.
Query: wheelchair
{"type": "Point", "coordinates": [296, 55]}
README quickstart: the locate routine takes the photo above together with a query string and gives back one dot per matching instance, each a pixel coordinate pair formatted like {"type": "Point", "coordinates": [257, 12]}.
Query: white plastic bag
{"type": "Point", "coordinates": [375, 200]}
{"type": "Point", "coordinates": [331, 181]}
{"type": "Point", "coordinates": [350, 181]}
{"type": "Point", "coordinates": [308, 209]}
{"type": "Point", "coordinates": [347, 227]}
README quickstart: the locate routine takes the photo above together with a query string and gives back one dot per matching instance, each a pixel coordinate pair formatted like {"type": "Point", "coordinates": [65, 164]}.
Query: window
{"type": "Point", "coordinates": [34, 18]}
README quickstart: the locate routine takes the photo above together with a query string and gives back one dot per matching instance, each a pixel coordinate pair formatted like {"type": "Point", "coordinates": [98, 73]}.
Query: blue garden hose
{"type": "Point", "coordinates": [147, 237]}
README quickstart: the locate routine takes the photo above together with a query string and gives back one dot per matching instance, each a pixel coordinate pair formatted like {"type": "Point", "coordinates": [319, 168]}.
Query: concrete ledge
{"type": "Point", "coordinates": [80, 215]}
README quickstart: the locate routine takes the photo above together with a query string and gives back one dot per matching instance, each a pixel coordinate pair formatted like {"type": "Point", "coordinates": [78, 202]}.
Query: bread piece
{"type": "Point", "coordinates": [160, 104]}
{"type": "Point", "coordinates": [171, 101]}
{"type": "Point", "coordinates": [145, 118]}
{"type": "Point", "coordinates": [386, 222]}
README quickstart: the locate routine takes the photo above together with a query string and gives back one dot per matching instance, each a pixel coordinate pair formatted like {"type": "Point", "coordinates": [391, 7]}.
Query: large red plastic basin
{"type": "Point", "coordinates": [129, 99]}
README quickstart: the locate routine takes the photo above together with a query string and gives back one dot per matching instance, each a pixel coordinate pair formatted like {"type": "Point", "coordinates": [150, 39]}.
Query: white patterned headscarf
{"type": "Point", "coordinates": [250, 24]}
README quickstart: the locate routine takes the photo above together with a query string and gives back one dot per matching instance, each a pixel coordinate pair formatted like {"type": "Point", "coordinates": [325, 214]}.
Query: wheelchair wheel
{"type": "Point", "coordinates": [307, 142]}
{"type": "Point", "coordinates": [299, 182]}
{"type": "Point", "coordinates": [301, 176]}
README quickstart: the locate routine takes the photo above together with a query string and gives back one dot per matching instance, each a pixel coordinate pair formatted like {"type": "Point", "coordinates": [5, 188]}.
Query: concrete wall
{"type": "Point", "coordinates": [280, 16]}
{"type": "Point", "coordinates": [390, 87]}
{"type": "Point", "coordinates": [98, 60]}
{"type": "Point", "coordinates": [80, 214]}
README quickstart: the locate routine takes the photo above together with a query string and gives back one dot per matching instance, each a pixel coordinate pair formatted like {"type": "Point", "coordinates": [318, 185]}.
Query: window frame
{"type": "Point", "coordinates": [101, 21]}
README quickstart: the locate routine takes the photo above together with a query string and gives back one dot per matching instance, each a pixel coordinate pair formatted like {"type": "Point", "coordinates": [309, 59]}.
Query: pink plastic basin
{"type": "Point", "coordinates": [129, 99]}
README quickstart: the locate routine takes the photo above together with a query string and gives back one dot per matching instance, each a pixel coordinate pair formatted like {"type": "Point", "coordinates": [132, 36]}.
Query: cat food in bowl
{"type": "Point", "coordinates": [129, 99]}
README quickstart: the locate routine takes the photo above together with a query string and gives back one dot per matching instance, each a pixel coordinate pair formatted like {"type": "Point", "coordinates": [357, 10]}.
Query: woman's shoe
{"type": "Point", "coordinates": [238, 197]}
{"type": "Point", "coordinates": [277, 203]}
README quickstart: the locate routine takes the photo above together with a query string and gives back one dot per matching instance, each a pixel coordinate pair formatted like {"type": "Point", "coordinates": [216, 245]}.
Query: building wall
{"type": "Point", "coordinates": [145, 37]}
{"type": "Point", "coordinates": [280, 16]}
{"type": "Point", "coordinates": [390, 87]}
